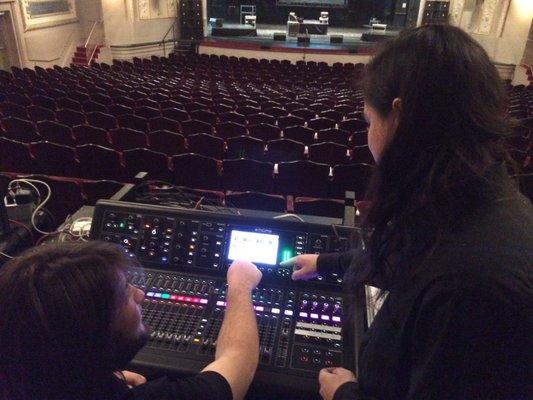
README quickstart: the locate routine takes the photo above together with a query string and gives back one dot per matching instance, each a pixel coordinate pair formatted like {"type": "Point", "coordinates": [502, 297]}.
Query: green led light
{"type": "Point", "coordinates": [165, 296]}
{"type": "Point", "coordinates": [286, 255]}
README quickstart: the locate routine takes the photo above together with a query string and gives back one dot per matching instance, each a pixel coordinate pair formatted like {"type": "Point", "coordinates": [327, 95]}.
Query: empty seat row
{"type": "Point", "coordinates": [305, 178]}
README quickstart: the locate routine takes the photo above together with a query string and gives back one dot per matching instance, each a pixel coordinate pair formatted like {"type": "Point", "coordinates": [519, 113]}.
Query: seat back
{"type": "Point", "coordinates": [300, 134]}
{"type": "Point", "coordinates": [245, 147]}
{"type": "Point", "coordinates": [145, 160]}
{"type": "Point", "coordinates": [247, 174]}
{"type": "Point", "coordinates": [126, 138]}
{"type": "Point", "coordinates": [196, 171]}
{"type": "Point", "coordinates": [303, 178]}
{"type": "Point", "coordinates": [353, 177]}
{"type": "Point", "coordinates": [55, 159]}
{"type": "Point", "coordinates": [98, 162]}
{"type": "Point", "coordinates": [328, 153]}
{"type": "Point", "coordinates": [15, 156]}
{"type": "Point", "coordinates": [256, 201]}
{"type": "Point", "coordinates": [88, 134]}
{"type": "Point", "coordinates": [18, 129]}
{"type": "Point", "coordinates": [207, 145]}
{"type": "Point", "coordinates": [167, 142]}
{"type": "Point", "coordinates": [284, 150]}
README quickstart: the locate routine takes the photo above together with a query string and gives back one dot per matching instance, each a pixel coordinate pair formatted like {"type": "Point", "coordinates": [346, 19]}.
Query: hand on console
{"type": "Point", "coordinates": [243, 274]}
{"type": "Point", "coordinates": [331, 379]}
{"type": "Point", "coordinates": [304, 266]}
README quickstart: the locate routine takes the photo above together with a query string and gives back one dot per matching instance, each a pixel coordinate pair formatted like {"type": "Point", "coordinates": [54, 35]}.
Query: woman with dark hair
{"type": "Point", "coordinates": [447, 236]}
{"type": "Point", "coordinates": [70, 322]}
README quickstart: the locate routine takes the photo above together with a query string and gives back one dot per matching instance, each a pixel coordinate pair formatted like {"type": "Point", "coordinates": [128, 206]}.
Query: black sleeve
{"type": "Point", "coordinates": [335, 262]}
{"type": "Point", "coordinates": [350, 391]}
{"type": "Point", "coordinates": [207, 385]}
{"type": "Point", "coordinates": [468, 344]}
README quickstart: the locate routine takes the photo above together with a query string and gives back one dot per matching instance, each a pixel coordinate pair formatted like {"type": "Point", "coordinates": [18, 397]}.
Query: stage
{"type": "Point", "coordinates": [245, 37]}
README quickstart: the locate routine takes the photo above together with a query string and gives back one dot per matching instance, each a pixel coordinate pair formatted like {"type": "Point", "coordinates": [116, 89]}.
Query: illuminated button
{"type": "Point", "coordinates": [275, 311]}
{"type": "Point", "coordinates": [150, 294]}
{"type": "Point", "coordinates": [259, 308]}
{"type": "Point", "coordinates": [314, 316]}
{"type": "Point", "coordinates": [288, 312]}
{"type": "Point", "coordinates": [324, 317]}
{"type": "Point", "coordinates": [165, 296]}
{"type": "Point", "coordinates": [336, 319]}
{"type": "Point", "coordinates": [220, 303]}
{"type": "Point", "coordinates": [174, 297]}
{"type": "Point", "coordinates": [158, 295]}
{"type": "Point", "coordinates": [303, 314]}
{"type": "Point", "coordinates": [203, 301]}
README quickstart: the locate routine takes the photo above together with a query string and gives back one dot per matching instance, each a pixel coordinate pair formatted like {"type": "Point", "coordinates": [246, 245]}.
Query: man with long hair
{"type": "Point", "coordinates": [447, 233]}
{"type": "Point", "coordinates": [70, 322]}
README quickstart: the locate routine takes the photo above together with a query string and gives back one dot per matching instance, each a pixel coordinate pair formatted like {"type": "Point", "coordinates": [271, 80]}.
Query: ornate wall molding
{"type": "Point", "coordinates": [155, 9]}
{"type": "Point", "coordinates": [38, 14]}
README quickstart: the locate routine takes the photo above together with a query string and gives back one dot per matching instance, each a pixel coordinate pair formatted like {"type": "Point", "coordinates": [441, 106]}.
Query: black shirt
{"type": "Point", "coordinates": [461, 328]}
{"type": "Point", "coordinates": [207, 385]}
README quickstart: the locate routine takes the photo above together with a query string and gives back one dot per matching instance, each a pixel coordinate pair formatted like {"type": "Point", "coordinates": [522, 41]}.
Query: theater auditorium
{"type": "Point", "coordinates": [265, 199]}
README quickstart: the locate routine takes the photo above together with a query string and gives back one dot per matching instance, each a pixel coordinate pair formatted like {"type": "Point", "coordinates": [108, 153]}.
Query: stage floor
{"type": "Point", "coordinates": [352, 42]}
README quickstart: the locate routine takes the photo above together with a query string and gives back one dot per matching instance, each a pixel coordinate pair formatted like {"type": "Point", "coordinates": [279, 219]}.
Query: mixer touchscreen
{"type": "Point", "coordinates": [261, 248]}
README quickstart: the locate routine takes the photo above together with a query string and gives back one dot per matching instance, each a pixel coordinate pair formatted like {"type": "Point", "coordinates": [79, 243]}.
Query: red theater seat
{"type": "Point", "coordinates": [256, 201]}
{"type": "Point", "coordinates": [284, 150]}
{"type": "Point", "coordinates": [245, 147]}
{"type": "Point", "coordinates": [195, 170]}
{"type": "Point", "coordinates": [98, 162]}
{"type": "Point", "coordinates": [126, 139]}
{"type": "Point", "coordinates": [299, 134]}
{"type": "Point", "coordinates": [258, 176]}
{"type": "Point", "coordinates": [15, 156]}
{"type": "Point", "coordinates": [145, 160]}
{"type": "Point", "coordinates": [133, 122]}
{"type": "Point", "coordinates": [328, 153]}
{"type": "Point", "coordinates": [88, 134]}
{"type": "Point", "coordinates": [167, 142]}
{"type": "Point", "coordinates": [353, 177]}
{"type": "Point", "coordinates": [55, 159]}
{"type": "Point", "coordinates": [303, 178]}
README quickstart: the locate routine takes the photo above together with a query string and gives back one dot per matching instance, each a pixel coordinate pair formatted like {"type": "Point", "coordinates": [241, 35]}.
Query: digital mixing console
{"type": "Point", "coordinates": [185, 255]}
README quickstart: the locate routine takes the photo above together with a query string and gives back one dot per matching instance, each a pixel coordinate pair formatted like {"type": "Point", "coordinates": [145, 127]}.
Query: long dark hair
{"type": "Point", "coordinates": [57, 304]}
{"type": "Point", "coordinates": [434, 171]}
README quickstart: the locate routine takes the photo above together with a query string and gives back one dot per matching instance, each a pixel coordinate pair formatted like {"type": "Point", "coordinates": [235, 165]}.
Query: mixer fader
{"type": "Point", "coordinates": [185, 255]}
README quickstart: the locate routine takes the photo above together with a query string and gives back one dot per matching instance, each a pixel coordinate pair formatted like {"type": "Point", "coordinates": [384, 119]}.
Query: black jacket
{"type": "Point", "coordinates": [462, 327]}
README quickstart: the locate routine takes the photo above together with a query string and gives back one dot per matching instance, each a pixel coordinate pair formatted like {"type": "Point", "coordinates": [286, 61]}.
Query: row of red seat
{"type": "Point", "coordinates": [69, 194]}
{"type": "Point", "coordinates": [304, 178]}
{"type": "Point", "coordinates": [351, 131]}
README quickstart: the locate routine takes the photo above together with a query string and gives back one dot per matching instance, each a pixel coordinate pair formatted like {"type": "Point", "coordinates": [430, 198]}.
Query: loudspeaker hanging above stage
{"type": "Point", "coordinates": [191, 20]}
